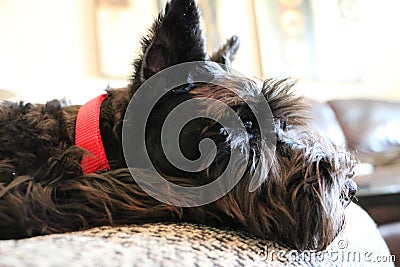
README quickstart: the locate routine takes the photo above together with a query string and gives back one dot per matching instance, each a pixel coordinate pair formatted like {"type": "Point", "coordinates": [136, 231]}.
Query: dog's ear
{"type": "Point", "coordinates": [175, 37]}
{"type": "Point", "coordinates": [226, 54]}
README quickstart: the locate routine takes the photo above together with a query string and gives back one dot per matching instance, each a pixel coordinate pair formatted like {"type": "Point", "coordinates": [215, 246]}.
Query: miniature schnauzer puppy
{"type": "Point", "coordinates": [303, 184]}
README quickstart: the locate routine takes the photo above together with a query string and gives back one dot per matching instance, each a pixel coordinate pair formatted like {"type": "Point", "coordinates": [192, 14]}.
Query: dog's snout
{"type": "Point", "coordinates": [351, 190]}
{"type": "Point", "coordinates": [352, 187]}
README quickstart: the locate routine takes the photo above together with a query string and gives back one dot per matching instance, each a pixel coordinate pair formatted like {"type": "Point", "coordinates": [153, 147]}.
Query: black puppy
{"type": "Point", "coordinates": [45, 187]}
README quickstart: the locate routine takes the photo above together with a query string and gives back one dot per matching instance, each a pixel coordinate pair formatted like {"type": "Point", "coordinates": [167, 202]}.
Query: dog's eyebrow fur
{"type": "Point", "coordinates": [285, 105]}
{"type": "Point", "coordinates": [287, 108]}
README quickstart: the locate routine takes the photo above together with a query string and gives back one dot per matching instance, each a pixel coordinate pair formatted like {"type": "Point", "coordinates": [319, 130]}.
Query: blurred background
{"type": "Point", "coordinates": [73, 49]}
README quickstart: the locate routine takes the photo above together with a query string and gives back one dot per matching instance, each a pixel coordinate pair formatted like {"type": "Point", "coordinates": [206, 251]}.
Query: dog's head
{"type": "Point", "coordinates": [295, 184]}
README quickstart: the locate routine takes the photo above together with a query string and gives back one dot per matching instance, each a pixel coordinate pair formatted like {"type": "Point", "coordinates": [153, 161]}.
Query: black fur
{"type": "Point", "coordinates": [300, 201]}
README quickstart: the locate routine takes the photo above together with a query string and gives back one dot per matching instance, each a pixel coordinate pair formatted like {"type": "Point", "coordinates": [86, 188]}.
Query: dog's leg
{"type": "Point", "coordinates": [30, 208]}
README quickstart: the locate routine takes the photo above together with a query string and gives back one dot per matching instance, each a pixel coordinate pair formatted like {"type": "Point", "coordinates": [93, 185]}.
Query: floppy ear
{"type": "Point", "coordinates": [226, 54]}
{"type": "Point", "coordinates": [175, 37]}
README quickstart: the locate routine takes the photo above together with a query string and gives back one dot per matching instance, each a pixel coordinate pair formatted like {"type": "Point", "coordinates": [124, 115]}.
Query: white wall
{"type": "Point", "coordinates": [378, 49]}
{"type": "Point", "coordinates": [48, 50]}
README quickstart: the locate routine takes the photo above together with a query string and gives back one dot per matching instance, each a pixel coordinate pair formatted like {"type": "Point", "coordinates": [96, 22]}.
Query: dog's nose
{"type": "Point", "coordinates": [351, 192]}
{"type": "Point", "coordinates": [352, 186]}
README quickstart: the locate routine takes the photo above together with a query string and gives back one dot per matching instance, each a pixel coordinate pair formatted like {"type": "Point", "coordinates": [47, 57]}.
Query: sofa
{"type": "Point", "coordinates": [371, 130]}
{"type": "Point", "coordinates": [183, 244]}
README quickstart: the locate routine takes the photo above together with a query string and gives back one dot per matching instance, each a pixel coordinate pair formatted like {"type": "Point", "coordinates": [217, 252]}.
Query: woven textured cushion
{"type": "Point", "coordinates": [185, 245]}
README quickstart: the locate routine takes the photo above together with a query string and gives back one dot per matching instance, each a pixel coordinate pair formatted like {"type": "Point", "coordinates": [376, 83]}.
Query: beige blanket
{"type": "Point", "coordinates": [193, 245]}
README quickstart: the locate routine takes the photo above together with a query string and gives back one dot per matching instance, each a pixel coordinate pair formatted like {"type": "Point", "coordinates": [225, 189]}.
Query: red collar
{"type": "Point", "coordinates": [87, 136]}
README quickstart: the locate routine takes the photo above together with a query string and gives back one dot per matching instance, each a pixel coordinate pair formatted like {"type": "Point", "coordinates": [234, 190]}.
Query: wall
{"type": "Point", "coordinates": [48, 50]}
{"type": "Point", "coordinates": [378, 53]}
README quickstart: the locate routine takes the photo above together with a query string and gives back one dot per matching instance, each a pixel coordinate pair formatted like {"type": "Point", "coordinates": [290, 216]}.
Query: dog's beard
{"type": "Point", "coordinates": [303, 190]}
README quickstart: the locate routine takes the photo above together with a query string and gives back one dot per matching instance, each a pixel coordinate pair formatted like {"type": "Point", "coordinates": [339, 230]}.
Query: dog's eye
{"type": "Point", "coordinates": [183, 89]}
{"type": "Point", "coordinates": [223, 131]}
{"type": "Point", "coordinates": [248, 124]}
